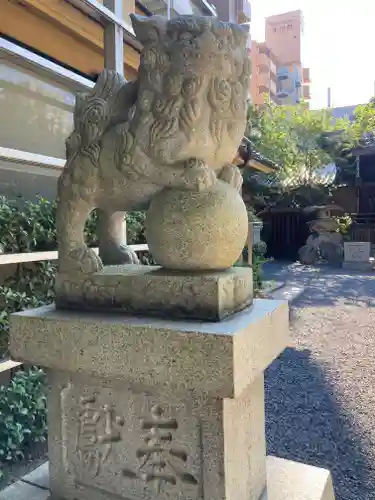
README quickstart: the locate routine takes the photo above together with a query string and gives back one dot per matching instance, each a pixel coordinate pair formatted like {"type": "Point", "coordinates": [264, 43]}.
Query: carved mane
{"type": "Point", "coordinates": [175, 79]}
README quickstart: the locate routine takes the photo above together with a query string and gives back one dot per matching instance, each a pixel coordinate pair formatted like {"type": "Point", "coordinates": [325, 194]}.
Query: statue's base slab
{"type": "Point", "coordinates": [154, 291]}
{"type": "Point", "coordinates": [364, 266]}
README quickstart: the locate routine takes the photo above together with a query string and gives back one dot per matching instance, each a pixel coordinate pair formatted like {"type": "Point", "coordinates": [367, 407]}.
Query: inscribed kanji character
{"type": "Point", "coordinates": [160, 461]}
{"type": "Point", "coordinates": [98, 429]}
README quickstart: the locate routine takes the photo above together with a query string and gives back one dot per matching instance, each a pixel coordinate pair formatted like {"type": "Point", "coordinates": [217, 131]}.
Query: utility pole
{"type": "Point", "coordinates": [329, 97]}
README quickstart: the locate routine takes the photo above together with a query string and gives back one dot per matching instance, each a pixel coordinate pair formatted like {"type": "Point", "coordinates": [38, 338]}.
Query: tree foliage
{"type": "Point", "coordinates": [303, 142]}
{"type": "Point", "coordinates": [289, 135]}
{"type": "Point", "coordinates": [351, 134]}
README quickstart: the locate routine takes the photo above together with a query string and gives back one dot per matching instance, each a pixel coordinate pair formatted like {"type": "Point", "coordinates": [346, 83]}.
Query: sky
{"type": "Point", "coordinates": [338, 46]}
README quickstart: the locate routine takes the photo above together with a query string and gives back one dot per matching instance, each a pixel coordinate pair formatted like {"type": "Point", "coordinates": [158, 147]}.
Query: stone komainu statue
{"type": "Point", "coordinates": [178, 125]}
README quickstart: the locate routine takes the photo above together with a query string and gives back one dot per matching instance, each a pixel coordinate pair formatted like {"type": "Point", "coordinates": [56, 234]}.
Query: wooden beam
{"type": "Point", "coordinates": [21, 258]}
{"type": "Point", "coordinates": [259, 166]}
{"type": "Point", "coordinates": [62, 32]}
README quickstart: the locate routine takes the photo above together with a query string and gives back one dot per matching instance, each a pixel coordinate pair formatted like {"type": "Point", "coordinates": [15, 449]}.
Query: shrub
{"type": "Point", "coordinates": [257, 260]}
{"type": "Point", "coordinates": [344, 225]}
{"type": "Point", "coordinates": [260, 248]}
{"type": "Point", "coordinates": [23, 414]}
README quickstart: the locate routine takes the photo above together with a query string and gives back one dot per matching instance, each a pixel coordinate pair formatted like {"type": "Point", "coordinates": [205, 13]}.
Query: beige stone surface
{"type": "Point", "coordinates": [287, 480]}
{"type": "Point", "coordinates": [220, 359]}
{"type": "Point", "coordinates": [153, 291]}
{"type": "Point", "coordinates": [197, 230]}
{"type": "Point", "coordinates": [108, 441]}
{"type": "Point", "coordinates": [23, 491]}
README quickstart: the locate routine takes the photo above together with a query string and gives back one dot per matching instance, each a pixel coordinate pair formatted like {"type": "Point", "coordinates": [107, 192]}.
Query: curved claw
{"type": "Point", "coordinates": [198, 176]}
{"type": "Point", "coordinates": [232, 175]}
{"type": "Point", "coordinates": [81, 260]}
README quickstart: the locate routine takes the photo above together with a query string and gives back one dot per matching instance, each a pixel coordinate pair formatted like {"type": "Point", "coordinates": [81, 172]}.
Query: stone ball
{"type": "Point", "coordinates": [198, 231]}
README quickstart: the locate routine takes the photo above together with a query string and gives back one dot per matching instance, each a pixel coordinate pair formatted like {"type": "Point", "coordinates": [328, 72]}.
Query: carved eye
{"type": "Point", "coordinates": [95, 113]}
{"type": "Point", "coordinates": [191, 86]}
{"type": "Point", "coordinates": [186, 36]}
{"type": "Point", "coordinates": [94, 116]}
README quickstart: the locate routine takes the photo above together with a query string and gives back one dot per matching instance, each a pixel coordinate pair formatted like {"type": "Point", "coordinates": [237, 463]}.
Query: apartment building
{"type": "Point", "coordinates": [283, 37]}
{"type": "Point", "coordinates": [264, 74]}
{"type": "Point", "coordinates": [233, 10]}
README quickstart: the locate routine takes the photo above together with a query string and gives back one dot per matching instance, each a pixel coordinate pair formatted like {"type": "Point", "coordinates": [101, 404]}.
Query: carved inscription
{"type": "Point", "coordinates": [160, 462]}
{"type": "Point", "coordinates": [98, 429]}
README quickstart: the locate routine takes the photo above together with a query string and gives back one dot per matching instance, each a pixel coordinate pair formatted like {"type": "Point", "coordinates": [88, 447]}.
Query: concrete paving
{"type": "Point", "coordinates": [33, 486]}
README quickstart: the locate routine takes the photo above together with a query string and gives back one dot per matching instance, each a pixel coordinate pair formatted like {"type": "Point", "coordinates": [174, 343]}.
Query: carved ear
{"type": "Point", "coordinates": [148, 29]}
{"type": "Point", "coordinates": [241, 33]}
{"type": "Point", "coordinates": [245, 28]}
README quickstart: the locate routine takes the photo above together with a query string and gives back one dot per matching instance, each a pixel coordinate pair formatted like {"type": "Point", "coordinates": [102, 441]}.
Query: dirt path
{"type": "Point", "coordinates": [321, 392]}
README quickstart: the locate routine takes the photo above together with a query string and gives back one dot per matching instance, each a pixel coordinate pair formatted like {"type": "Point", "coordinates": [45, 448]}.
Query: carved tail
{"type": "Point", "coordinates": [108, 103]}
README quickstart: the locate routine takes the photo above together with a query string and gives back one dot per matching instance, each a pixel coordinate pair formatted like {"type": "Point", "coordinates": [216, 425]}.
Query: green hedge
{"type": "Point", "coordinates": [23, 415]}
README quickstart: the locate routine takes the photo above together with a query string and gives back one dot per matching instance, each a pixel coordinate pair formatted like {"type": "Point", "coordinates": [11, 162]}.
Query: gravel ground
{"type": "Point", "coordinates": [320, 393]}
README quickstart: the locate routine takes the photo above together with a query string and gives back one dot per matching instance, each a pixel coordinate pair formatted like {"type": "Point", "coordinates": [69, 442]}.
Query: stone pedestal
{"type": "Point", "coordinates": [357, 256]}
{"type": "Point", "coordinates": [154, 291]}
{"type": "Point", "coordinates": [143, 408]}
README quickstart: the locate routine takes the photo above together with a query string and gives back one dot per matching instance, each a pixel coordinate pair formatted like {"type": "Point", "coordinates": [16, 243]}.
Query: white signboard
{"type": "Point", "coordinates": [357, 251]}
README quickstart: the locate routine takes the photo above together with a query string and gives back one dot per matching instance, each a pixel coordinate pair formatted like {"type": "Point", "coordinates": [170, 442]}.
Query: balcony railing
{"type": "Point", "coordinates": [306, 92]}
{"type": "Point", "coordinates": [306, 76]}
{"type": "Point", "coordinates": [283, 73]}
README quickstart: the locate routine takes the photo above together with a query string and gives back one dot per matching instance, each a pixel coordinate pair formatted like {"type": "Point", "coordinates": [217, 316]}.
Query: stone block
{"type": "Point", "coordinates": [287, 480]}
{"type": "Point", "coordinates": [154, 291]}
{"type": "Point", "coordinates": [220, 359]}
{"type": "Point", "coordinates": [357, 251]}
{"type": "Point", "coordinates": [24, 491]}
{"type": "Point", "coordinates": [358, 266]}
{"type": "Point", "coordinates": [143, 408]}
{"type": "Point", "coordinates": [107, 440]}
{"type": "Point", "coordinates": [39, 476]}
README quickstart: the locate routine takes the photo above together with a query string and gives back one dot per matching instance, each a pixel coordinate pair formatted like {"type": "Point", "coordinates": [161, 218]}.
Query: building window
{"type": "Point", "coordinates": [177, 7]}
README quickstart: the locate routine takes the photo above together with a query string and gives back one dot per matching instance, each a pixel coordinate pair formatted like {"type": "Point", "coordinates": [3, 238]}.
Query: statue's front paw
{"type": "Point", "coordinates": [117, 255]}
{"type": "Point", "coordinates": [198, 176]}
{"type": "Point", "coordinates": [232, 175]}
{"type": "Point", "coordinates": [81, 260]}
{"type": "Point", "coordinates": [128, 255]}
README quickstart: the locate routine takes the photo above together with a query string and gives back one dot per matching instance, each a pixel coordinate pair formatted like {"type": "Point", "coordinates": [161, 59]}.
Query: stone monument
{"type": "Point", "coordinates": [357, 256]}
{"type": "Point", "coordinates": [156, 372]}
